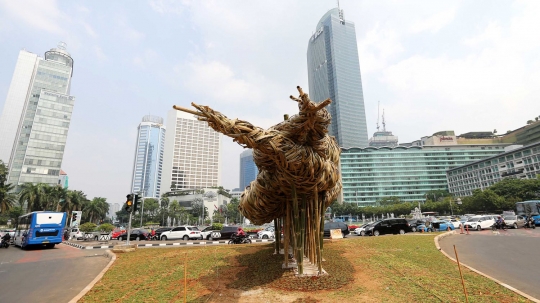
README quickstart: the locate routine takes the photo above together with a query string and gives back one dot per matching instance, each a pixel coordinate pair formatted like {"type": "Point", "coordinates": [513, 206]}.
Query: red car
{"type": "Point", "coordinates": [117, 233]}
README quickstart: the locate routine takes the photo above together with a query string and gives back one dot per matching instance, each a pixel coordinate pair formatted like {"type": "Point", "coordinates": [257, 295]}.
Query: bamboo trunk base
{"type": "Point", "coordinates": [310, 270]}
{"type": "Point", "coordinates": [282, 250]}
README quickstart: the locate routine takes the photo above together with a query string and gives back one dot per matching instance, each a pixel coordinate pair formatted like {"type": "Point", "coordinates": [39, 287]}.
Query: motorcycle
{"type": "Point", "coordinates": [497, 225]}
{"type": "Point", "coordinates": [152, 238]}
{"type": "Point", "coordinates": [240, 240]}
{"type": "Point", "coordinates": [4, 244]}
{"type": "Point", "coordinates": [530, 223]}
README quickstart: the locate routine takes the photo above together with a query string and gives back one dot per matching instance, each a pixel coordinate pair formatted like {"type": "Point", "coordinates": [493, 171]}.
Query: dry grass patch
{"type": "Point", "coordinates": [361, 269]}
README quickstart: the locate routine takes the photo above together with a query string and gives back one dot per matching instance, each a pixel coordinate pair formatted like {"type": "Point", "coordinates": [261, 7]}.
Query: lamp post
{"type": "Point", "coordinates": [458, 202]}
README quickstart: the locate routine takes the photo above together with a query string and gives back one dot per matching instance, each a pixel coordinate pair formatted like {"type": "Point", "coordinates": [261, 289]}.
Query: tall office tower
{"type": "Point", "coordinates": [248, 169]}
{"type": "Point", "coordinates": [148, 161]}
{"type": "Point", "coordinates": [36, 117]}
{"type": "Point", "coordinates": [192, 158]}
{"type": "Point", "coordinates": [334, 72]}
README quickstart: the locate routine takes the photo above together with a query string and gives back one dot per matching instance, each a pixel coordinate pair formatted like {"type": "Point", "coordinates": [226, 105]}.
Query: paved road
{"type": "Point", "coordinates": [47, 275]}
{"type": "Point", "coordinates": [511, 256]}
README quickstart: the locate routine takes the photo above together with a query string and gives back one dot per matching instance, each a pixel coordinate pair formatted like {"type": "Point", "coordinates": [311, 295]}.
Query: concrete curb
{"type": "Point", "coordinates": [164, 244]}
{"type": "Point", "coordinates": [479, 272]}
{"type": "Point", "coordinates": [96, 279]}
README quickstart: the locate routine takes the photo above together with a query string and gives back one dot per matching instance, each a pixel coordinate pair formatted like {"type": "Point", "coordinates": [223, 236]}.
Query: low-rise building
{"type": "Point", "coordinates": [518, 162]}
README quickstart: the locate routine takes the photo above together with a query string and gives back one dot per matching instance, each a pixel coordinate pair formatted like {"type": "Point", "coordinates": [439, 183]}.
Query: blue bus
{"type": "Point", "coordinates": [40, 228]}
{"type": "Point", "coordinates": [531, 207]}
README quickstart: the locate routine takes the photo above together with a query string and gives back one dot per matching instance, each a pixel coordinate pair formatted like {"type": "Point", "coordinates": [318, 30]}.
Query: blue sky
{"type": "Point", "coordinates": [433, 65]}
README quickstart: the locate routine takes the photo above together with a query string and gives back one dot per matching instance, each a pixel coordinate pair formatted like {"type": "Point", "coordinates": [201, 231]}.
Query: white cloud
{"type": "Point", "coordinates": [434, 23]}
{"type": "Point", "coordinates": [215, 80]}
{"type": "Point", "coordinates": [99, 53]}
{"type": "Point", "coordinates": [169, 6]}
{"type": "Point", "coordinates": [377, 48]}
{"type": "Point", "coordinates": [42, 15]}
{"type": "Point", "coordinates": [89, 30]}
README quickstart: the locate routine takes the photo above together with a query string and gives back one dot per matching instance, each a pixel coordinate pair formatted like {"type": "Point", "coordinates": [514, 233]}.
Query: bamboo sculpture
{"type": "Point", "coordinates": [298, 173]}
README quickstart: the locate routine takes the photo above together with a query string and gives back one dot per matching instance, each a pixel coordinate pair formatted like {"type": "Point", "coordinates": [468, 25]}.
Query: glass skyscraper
{"type": "Point", "coordinates": [36, 117]}
{"type": "Point", "coordinates": [248, 169]}
{"type": "Point", "coordinates": [334, 72]}
{"type": "Point", "coordinates": [149, 157]}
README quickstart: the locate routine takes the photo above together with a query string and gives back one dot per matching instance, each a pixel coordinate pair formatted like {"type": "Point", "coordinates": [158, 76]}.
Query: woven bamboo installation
{"type": "Point", "coordinates": [296, 159]}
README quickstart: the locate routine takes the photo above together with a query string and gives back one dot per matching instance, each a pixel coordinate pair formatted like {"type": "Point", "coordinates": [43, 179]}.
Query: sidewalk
{"type": "Point", "coordinates": [142, 244]}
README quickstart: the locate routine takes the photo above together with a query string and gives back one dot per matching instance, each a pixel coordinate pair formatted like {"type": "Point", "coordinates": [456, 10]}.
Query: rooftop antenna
{"type": "Point", "coordinates": [378, 105]}
{"type": "Point", "coordinates": [383, 124]}
{"type": "Point", "coordinates": [341, 19]}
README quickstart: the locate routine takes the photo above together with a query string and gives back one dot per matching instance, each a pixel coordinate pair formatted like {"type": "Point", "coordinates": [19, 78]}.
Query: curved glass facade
{"type": "Point", "coordinates": [370, 174]}
{"type": "Point", "coordinates": [334, 72]}
{"type": "Point", "coordinates": [148, 164]}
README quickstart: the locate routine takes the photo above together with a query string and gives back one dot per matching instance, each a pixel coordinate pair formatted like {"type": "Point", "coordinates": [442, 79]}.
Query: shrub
{"type": "Point", "coordinates": [217, 226]}
{"type": "Point", "coordinates": [106, 228]}
{"type": "Point", "coordinates": [87, 227]}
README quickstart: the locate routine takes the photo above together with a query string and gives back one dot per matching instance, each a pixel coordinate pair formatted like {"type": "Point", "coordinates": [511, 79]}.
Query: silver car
{"type": "Point", "coordinates": [514, 221]}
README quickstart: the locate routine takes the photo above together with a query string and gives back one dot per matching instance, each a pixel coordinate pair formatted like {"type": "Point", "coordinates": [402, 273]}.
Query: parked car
{"type": "Point", "coordinates": [388, 226]}
{"type": "Point", "coordinates": [414, 223]}
{"type": "Point", "coordinates": [336, 225]}
{"type": "Point", "coordinates": [479, 222]}
{"type": "Point", "coordinates": [206, 233]}
{"type": "Point", "coordinates": [442, 225]}
{"type": "Point", "coordinates": [182, 232]}
{"type": "Point", "coordinates": [76, 234]}
{"type": "Point", "coordinates": [116, 234]}
{"type": "Point", "coordinates": [514, 221]}
{"type": "Point", "coordinates": [160, 230]}
{"type": "Point", "coordinates": [135, 234]}
{"type": "Point", "coordinates": [267, 233]}
{"type": "Point", "coordinates": [360, 231]}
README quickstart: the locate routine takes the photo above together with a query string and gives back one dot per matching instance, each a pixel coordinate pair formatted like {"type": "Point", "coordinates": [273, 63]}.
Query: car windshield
{"type": "Point", "coordinates": [510, 217]}
{"type": "Point", "coordinates": [192, 228]}
{"type": "Point", "coordinates": [473, 219]}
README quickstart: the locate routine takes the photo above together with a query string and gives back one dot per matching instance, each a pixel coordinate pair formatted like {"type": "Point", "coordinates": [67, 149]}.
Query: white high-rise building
{"type": "Point", "coordinates": [192, 158]}
{"type": "Point", "coordinates": [36, 117]}
{"type": "Point", "coordinates": [148, 163]}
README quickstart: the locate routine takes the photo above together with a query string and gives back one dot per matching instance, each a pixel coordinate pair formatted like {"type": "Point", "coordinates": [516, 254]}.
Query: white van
{"type": "Point", "coordinates": [479, 222]}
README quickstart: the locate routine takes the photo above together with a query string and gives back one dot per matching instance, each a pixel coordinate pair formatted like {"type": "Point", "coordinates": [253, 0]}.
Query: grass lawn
{"type": "Point", "coordinates": [361, 269]}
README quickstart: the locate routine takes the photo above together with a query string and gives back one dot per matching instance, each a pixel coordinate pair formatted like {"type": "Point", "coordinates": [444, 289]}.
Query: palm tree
{"type": "Point", "coordinates": [7, 199]}
{"type": "Point", "coordinates": [96, 209]}
{"type": "Point", "coordinates": [34, 196]}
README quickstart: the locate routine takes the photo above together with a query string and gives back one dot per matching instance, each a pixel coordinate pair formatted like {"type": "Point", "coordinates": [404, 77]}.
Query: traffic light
{"type": "Point", "coordinates": [136, 203]}
{"type": "Point", "coordinates": [129, 203]}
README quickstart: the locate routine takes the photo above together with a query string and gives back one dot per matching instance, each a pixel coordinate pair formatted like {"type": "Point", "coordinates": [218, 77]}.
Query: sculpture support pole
{"type": "Point", "coordinates": [302, 235]}
{"type": "Point", "coordinates": [317, 229]}
{"type": "Point", "coordinates": [286, 230]}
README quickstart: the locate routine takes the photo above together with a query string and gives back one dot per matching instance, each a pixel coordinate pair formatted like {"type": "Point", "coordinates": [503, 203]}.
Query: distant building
{"type": "Point", "coordinates": [370, 174]}
{"type": "Point", "coordinates": [248, 169]}
{"type": "Point", "coordinates": [113, 208]}
{"type": "Point", "coordinates": [236, 193]}
{"type": "Point", "coordinates": [383, 138]}
{"type": "Point", "coordinates": [192, 158]}
{"type": "Point", "coordinates": [334, 72]}
{"type": "Point", "coordinates": [210, 197]}
{"type": "Point", "coordinates": [147, 166]}
{"type": "Point", "coordinates": [63, 180]}
{"type": "Point", "coordinates": [517, 162]}
{"type": "Point", "coordinates": [36, 117]}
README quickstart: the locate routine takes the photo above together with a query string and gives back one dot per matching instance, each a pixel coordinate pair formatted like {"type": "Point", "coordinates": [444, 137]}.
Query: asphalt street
{"type": "Point", "coordinates": [509, 256]}
{"type": "Point", "coordinates": [47, 275]}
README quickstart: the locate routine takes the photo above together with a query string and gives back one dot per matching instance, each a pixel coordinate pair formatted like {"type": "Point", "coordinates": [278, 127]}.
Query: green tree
{"type": "Point", "coordinates": [517, 189]}
{"type": "Point", "coordinates": [386, 201]}
{"type": "Point", "coordinates": [34, 195]}
{"type": "Point", "coordinates": [96, 209]}
{"type": "Point", "coordinates": [151, 205]}
{"type": "Point", "coordinates": [7, 198]}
